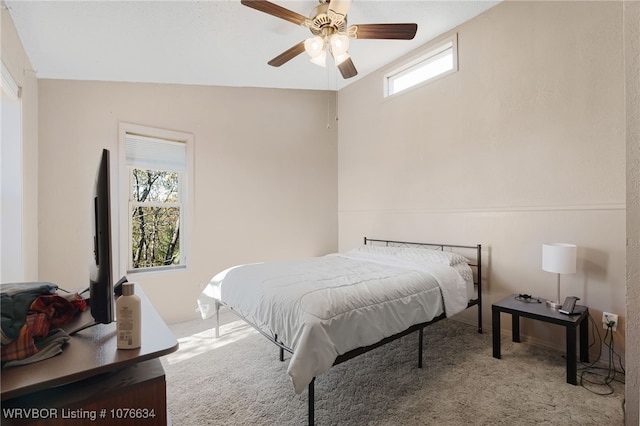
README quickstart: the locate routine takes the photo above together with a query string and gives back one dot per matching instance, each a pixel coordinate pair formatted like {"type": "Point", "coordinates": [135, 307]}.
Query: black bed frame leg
{"type": "Point", "coordinates": [479, 263]}
{"type": "Point", "coordinates": [311, 403]}
{"type": "Point", "coordinates": [275, 338]}
{"type": "Point", "coordinates": [420, 339]}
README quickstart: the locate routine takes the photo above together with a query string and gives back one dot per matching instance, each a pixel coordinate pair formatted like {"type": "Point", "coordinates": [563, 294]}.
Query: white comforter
{"type": "Point", "coordinates": [323, 307]}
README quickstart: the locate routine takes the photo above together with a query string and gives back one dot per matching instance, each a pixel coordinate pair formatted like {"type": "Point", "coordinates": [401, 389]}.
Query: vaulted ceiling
{"type": "Point", "coordinates": [216, 42]}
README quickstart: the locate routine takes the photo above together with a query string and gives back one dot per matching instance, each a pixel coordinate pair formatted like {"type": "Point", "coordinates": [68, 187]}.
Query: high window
{"type": "Point", "coordinates": [157, 175]}
{"type": "Point", "coordinates": [438, 61]}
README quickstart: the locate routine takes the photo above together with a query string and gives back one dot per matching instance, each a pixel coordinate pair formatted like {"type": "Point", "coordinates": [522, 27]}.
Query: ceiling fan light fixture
{"type": "Point", "coordinates": [339, 44]}
{"type": "Point", "coordinates": [320, 59]}
{"type": "Point", "coordinates": [314, 46]}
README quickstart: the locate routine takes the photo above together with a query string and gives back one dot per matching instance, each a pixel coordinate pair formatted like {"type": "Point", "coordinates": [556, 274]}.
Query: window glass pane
{"type": "Point", "coordinates": [154, 186]}
{"type": "Point", "coordinates": [439, 60]}
{"type": "Point", "coordinates": [155, 236]}
{"type": "Point", "coordinates": [422, 72]}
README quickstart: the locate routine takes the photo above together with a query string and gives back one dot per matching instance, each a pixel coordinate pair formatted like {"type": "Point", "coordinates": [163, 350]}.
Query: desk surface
{"type": "Point", "coordinates": [91, 352]}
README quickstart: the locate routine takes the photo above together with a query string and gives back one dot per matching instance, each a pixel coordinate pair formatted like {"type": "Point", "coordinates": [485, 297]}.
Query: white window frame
{"type": "Point", "coordinates": [186, 194]}
{"type": "Point", "coordinates": [12, 232]}
{"type": "Point", "coordinates": [429, 54]}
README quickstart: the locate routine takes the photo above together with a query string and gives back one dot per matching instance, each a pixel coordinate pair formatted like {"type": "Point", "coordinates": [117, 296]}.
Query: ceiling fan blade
{"type": "Point", "coordinates": [383, 31]}
{"type": "Point", "coordinates": [337, 11]}
{"type": "Point", "coordinates": [275, 10]}
{"type": "Point", "coordinates": [287, 55]}
{"type": "Point", "coordinates": [347, 69]}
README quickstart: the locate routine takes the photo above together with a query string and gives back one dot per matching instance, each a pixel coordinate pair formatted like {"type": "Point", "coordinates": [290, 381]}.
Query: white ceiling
{"type": "Point", "coordinates": [215, 42]}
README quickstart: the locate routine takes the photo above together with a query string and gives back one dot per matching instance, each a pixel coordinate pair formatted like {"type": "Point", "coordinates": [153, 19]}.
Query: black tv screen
{"type": "Point", "coordinates": [101, 296]}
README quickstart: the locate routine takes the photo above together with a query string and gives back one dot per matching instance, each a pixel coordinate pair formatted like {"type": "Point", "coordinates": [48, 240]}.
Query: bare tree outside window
{"type": "Point", "coordinates": [155, 218]}
{"type": "Point", "coordinates": [157, 189]}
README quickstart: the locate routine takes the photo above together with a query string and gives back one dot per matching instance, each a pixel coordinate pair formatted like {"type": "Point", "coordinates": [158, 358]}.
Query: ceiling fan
{"type": "Point", "coordinates": [328, 24]}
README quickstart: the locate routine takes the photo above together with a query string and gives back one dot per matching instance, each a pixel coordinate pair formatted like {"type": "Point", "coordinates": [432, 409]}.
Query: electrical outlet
{"type": "Point", "coordinates": [607, 318]}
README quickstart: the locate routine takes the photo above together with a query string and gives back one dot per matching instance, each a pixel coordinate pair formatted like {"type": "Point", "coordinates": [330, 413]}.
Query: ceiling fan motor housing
{"type": "Point", "coordinates": [322, 24]}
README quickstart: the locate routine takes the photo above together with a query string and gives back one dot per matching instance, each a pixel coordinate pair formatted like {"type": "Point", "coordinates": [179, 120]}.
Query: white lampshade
{"type": "Point", "coordinates": [339, 44]}
{"type": "Point", "coordinates": [559, 258]}
{"type": "Point", "coordinates": [320, 59]}
{"type": "Point", "coordinates": [314, 46]}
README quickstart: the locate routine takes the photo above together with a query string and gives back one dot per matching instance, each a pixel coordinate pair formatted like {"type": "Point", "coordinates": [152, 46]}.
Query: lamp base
{"type": "Point", "coordinates": [554, 305]}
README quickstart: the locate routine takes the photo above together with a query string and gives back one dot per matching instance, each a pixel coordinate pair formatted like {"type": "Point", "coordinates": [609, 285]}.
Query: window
{"type": "Point", "coordinates": [157, 205]}
{"type": "Point", "coordinates": [12, 266]}
{"type": "Point", "coordinates": [437, 62]}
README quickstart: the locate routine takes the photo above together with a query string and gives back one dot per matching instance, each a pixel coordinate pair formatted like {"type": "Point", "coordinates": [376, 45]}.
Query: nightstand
{"type": "Point", "coordinates": [541, 312]}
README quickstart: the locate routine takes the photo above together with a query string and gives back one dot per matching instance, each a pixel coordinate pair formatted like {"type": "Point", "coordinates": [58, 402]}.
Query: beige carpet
{"type": "Point", "coordinates": [238, 380]}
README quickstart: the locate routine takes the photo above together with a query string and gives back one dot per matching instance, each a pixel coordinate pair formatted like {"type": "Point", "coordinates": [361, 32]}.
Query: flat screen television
{"type": "Point", "coordinates": [101, 287]}
{"type": "Point", "coordinates": [101, 297]}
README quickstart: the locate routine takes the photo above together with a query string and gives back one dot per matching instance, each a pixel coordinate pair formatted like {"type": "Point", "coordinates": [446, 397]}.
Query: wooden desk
{"type": "Point", "coordinates": [91, 364]}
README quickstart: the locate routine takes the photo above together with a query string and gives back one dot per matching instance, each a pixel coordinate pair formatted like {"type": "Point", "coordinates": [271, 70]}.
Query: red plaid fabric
{"type": "Point", "coordinates": [45, 312]}
{"type": "Point", "coordinates": [58, 309]}
{"type": "Point", "coordinates": [36, 325]}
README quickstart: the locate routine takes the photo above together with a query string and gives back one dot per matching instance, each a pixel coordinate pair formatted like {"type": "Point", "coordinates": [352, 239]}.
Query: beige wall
{"type": "Point", "coordinates": [265, 176]}
{"type": "Point", "coordinates": [18, 64]}
{"type": "Point", "coordinates": [632, 92]}
{"type": "Point", "coordinates": [533, 121]}
{"type": "Point", "coordinates": [524, 145]}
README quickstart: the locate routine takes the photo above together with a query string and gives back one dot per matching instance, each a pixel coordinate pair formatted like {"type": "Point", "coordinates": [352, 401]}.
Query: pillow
{"type": "Point", "coordinates": [416, 254]}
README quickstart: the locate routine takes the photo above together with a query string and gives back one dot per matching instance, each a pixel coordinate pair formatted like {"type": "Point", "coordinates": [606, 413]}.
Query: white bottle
{"type": "Point", "coordinates": [128, 318]}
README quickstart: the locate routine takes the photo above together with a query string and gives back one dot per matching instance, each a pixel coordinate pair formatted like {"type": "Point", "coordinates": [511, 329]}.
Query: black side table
{"type": "Point", "coordinates": [541, 312]}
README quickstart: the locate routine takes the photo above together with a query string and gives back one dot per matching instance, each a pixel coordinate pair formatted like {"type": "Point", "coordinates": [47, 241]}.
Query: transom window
{"type": "Point", "coordinates": [437, 62]}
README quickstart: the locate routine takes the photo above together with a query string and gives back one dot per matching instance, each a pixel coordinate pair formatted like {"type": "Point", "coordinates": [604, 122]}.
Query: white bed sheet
{"type": "Point", "coordinates": [326, 306]}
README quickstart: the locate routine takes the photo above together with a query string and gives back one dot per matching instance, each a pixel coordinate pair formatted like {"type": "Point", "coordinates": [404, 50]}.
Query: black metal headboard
{"type": "Point", "coordinates": [472, 253]}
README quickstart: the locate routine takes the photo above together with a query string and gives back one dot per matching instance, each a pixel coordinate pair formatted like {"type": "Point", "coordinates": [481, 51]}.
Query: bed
{"type": "Point", "coordinates": [329, 309]}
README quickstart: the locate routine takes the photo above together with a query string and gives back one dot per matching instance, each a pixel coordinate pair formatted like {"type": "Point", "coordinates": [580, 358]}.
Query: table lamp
{"type": "Point", "coordinates": [561, 259]}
